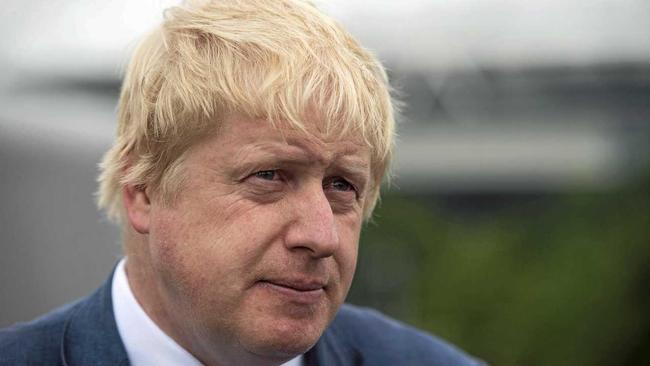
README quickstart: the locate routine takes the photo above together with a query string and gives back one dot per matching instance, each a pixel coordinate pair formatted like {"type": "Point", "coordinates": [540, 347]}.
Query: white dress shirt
{"type": "Point", "coordinates": [146, 344]}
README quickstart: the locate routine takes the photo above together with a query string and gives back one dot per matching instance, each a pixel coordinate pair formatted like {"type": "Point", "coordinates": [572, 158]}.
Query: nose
{"type": "Point", "coordinates": [313, 227]}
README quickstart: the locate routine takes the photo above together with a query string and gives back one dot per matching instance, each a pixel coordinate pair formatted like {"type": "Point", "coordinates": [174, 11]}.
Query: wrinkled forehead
{"type": "Point", "coordinates": [314, 128]}
{"type": "Point", "coordinates": [311, 135]}
{"type": "Point", "coordinates": [322, 149]}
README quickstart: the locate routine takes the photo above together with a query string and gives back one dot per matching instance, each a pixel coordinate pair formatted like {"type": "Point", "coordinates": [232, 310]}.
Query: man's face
{"type": "Point", "coordinates": [260, 248]}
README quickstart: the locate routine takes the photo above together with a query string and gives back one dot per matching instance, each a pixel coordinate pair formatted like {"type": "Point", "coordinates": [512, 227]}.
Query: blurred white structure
{"type": "Point", "coordinates": [93, 36]}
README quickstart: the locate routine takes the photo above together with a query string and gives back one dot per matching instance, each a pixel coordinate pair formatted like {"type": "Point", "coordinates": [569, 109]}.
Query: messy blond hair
{"type": "Point", "coordinates": [273, 59]}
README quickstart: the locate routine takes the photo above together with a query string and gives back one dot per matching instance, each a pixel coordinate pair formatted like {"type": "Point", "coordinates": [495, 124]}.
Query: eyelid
{"type": "Point", "coordinates": [358, 179]}
{"type": "Point", "coordinates": [353, 186]}
{"type": "Point", "coordinates": [259, 175]}
{"type": "Point", "coordinates": [250, 170]}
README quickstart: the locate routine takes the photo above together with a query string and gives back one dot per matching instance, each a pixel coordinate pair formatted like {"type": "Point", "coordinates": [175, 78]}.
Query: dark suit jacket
{"type": "Point", "coordinates": [85, 333]}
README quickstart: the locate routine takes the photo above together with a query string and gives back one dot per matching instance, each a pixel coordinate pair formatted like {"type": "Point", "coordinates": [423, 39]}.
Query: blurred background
{"type": "Point", "coordinates": [518, 222]}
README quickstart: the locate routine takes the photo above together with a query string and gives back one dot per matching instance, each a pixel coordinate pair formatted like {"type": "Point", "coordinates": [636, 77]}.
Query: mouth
{"type": "Point", "coordinates": [302, 284]}
{"type": "Point", "coordinates": [300, 291]}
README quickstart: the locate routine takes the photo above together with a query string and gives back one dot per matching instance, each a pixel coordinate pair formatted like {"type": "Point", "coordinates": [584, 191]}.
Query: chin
{"type": "Point", "coordinates": [285, 339]}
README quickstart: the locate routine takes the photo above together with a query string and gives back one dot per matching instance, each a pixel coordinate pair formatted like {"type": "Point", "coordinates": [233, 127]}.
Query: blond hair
{"type": "Point", "coordinates": [274, 59]}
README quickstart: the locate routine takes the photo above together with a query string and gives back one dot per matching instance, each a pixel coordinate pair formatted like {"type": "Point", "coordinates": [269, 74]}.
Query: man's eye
{"type": "Point", "coordinates": [342, 185]}
{"type": "Point", "coordinates": [267, 174]}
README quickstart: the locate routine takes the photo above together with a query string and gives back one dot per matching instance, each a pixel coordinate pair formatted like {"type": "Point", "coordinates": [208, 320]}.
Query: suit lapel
{"type": "Point", "coordinates": [90, 335]}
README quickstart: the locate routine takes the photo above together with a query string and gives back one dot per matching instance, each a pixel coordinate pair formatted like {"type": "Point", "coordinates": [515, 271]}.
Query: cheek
{"type": "Point", "coordinates": [348, 252]}
{"type": "Point", "coordinates": [173, 259]}
{"type": "Point", "coordinates": [214, 246]}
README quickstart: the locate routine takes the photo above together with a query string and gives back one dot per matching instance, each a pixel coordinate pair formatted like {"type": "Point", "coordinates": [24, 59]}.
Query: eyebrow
{"type": "Point", "coordinates": [299, 154]}
{"type": "Point", "coordinates": [282, 152]}
{"type": "Point", "coordinates": [352, 165]}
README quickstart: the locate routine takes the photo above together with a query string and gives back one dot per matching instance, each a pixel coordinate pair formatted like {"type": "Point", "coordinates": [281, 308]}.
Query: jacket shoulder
{"type": "Point", "coordinates": [381, 340]}
{"type": "Point", "coordinates": [37, 342]}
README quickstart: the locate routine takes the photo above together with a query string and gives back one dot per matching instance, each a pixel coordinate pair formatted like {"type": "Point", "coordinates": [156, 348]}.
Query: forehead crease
{"type": "Point", "coordinates": [305, 147]}
{"type": "Point", "coordinates": [354, 163]}
{"type": "Point", "coordinates": [275, 149]}
{"type": "Point", "coordinates": [328, 151]}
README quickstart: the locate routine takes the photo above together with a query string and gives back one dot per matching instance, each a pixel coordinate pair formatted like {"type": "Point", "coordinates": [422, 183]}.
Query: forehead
{"type": "Point", "coordinates": [240, 135]}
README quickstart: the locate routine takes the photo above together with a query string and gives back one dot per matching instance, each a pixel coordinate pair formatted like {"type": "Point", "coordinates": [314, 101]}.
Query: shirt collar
{"type": "Point", "coordinates": [145, 342]}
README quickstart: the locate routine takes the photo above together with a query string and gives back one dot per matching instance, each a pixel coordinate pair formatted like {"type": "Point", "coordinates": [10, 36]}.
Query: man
{"type": "Point", "coordinates": [253, 137]}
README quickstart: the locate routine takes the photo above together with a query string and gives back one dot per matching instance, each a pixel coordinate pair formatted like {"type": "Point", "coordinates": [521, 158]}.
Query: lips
{"type": "Point", "coordinates": [300, 284]}
{"type": "Point", "coordinates": [302, 291]}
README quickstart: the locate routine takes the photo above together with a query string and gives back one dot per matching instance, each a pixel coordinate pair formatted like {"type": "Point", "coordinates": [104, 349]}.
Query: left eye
{"type": "Point", "coordinates": [341, 184]}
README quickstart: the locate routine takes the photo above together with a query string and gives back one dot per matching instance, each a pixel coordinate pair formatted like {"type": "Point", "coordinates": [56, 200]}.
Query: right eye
{"type": "Point", "coordinates": [266, 174]}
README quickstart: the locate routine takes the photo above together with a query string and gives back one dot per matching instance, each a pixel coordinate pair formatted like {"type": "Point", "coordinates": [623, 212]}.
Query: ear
{"type": "Point", "coordinates": [138, 207]}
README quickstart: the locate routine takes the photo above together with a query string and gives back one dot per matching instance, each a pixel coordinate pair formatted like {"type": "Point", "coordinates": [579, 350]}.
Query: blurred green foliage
{"type": "Point", "coordinates": [556, 280]}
